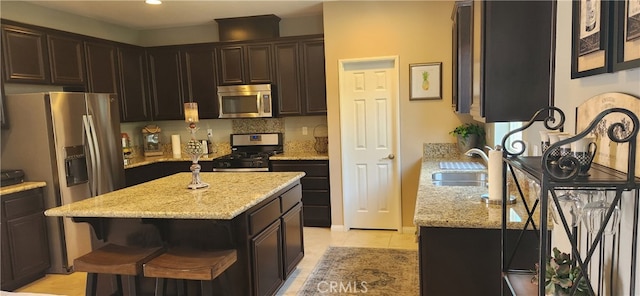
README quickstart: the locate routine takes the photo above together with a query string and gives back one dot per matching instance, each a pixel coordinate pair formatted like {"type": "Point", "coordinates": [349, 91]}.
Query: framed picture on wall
{"type": "Point", "coordinates": [626, 35]}
{"type": "Point", "coordinates": [425, 81]}
{"type": "Point", "coordinates": [590, 38]}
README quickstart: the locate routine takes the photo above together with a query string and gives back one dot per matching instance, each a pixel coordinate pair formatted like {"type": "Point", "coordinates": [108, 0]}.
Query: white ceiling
{"type": "Point", "coordinates": [135, 14]}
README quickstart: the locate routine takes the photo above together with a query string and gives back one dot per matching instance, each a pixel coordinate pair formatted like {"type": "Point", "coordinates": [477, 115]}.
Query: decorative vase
{"type": "Point", "coordinates": [465, 144]}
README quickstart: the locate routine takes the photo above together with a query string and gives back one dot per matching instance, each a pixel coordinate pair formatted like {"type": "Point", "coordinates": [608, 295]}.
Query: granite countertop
{"type": "Point", "coordinates": [142, 160]}
{"type": "Point", "coordinates": [460, 206]}
{"type": "Point", "coordinates": [228, 195]}
{"type": "Point", "coordinates": [301, 155]}
{"type": "Point", "coordinates": [21, 187]}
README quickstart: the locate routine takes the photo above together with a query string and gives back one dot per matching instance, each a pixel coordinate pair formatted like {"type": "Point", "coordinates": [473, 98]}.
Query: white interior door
{"type": "Point", "coordinates": [370, 143]}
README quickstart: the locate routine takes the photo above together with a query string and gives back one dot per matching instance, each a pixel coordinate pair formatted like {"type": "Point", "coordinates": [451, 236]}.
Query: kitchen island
{"type": "Point", "coordinates": [459, 244]}
{"type": "Point", "coordinates": [257, 213]}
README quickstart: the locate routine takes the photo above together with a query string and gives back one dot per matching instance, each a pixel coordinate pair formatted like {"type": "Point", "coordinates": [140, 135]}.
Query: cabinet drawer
{"type": "Point", "coordinates": [291, 197]}
{"type": "Point", "coordinates": [315, 183]}
{"type": "Point", "coordinates": [316, 197]}
{"type": "Point", "coordinates": [23, 203]}
{"type": "Point", "coordinates": [316, 215]}
{"type": "Point", "coordinates": [320, 169]}
{"type": "Point", "coordinates": [264, 216]}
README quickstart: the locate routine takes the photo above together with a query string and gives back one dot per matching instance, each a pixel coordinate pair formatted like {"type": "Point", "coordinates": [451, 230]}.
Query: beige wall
{"type": "Point", "coordinates": [415, 31]}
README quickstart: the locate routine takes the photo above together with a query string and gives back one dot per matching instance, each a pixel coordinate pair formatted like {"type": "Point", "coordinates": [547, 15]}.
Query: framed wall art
{"type": "Point", "coordinates": [625, 52]}
{"type": "Point", "coordinates": [590, 40]}
{"type": "Point", "coordinates": [425, 81]}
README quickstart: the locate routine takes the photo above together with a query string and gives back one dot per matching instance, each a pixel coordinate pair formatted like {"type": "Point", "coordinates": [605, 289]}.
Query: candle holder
{"type": "Point", "coordinates": [194, 147]}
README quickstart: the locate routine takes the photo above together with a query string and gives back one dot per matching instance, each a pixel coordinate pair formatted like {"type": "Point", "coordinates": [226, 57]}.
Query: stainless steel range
{"type": "Point", "coordinates": [249, 153]}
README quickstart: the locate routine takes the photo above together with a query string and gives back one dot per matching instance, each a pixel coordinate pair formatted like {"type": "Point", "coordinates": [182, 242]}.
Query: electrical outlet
{"type": "Point", "coordinates": [305, 131]}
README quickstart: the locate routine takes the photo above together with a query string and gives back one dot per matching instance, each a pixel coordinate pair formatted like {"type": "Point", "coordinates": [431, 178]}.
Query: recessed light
{"type": "Point", "coordinates": [155, 2]}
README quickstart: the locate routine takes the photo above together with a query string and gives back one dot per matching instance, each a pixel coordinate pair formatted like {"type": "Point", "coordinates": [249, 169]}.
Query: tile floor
{"type": "Point", "coordinates": [316, 241]}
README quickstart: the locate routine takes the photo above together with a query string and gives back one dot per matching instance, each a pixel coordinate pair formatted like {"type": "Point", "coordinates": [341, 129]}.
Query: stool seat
{"type": "Point", "coordinates": [118, 260]}
{"type": "Point", "coordinates": [190, 264]}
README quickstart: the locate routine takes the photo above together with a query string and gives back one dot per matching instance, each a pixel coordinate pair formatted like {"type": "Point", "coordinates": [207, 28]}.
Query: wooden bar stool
{"type": "Point", "coordinates": [117, 260]}
{"type": "Point", "coordinates": [189, 264]}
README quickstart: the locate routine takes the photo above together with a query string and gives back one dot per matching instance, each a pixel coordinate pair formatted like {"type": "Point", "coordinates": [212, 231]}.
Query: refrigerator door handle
{"type": "Point", "coordinates": [92, 158]}
{"type": "Point", "coordinates": [98, 156]}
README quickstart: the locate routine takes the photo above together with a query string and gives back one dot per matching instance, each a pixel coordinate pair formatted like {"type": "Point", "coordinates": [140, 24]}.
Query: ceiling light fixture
{"type": "Point", "coordinates": [154, 2]}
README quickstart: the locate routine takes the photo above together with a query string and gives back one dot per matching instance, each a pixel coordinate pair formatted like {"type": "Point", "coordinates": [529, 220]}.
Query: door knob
{"type": "Point", "coordinates": [391, 156]}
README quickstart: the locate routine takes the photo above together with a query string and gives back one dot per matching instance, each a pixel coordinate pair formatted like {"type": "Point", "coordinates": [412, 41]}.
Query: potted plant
{"type": "Point", "coordinates": [470, 135]}
{"type": "Point", "coordinates": [560, 276]}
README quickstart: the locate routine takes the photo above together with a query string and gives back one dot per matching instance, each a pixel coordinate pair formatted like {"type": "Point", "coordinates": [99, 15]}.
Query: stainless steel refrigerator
{"type": "Point", "coordinates": [72, 142]}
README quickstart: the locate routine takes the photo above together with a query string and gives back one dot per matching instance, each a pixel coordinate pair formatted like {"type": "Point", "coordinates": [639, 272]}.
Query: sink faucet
{"type": "Point", "coordinates": [477, 151]}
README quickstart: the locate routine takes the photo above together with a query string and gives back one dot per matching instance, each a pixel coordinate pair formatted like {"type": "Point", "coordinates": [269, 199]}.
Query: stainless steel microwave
{"type": "Point", "coordinates": [245, 101]}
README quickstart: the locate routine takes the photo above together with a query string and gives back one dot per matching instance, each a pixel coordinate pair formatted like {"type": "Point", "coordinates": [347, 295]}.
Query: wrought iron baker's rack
{"type": "Point", "coordinates": [551, 177]}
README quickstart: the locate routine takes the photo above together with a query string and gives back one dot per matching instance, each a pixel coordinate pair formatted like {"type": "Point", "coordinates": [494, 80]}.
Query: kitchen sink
{"type": "Point", "coordinates": [459, 178]}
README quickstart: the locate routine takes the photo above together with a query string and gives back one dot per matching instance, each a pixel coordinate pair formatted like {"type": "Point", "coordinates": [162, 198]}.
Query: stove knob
{"type": "Point", "coordinates": [227, 164]}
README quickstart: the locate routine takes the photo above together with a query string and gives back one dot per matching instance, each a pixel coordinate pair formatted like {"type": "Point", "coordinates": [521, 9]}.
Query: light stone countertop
{"type": "Point", "coordinates": [228, 195]}
{"type": "Point", "coordinates": [21, 187]}
{"type": "Point", "coordinates": [142, 160]}
{"type": "Point", "coordinates": [302, 155]}
{"type": "Point", "coordinates": [460, 206]}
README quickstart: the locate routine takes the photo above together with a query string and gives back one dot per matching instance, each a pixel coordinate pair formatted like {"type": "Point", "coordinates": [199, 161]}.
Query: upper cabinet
{"type": "Point", "coordinates": [462, 61]}
{"type": "Point", "coordinates": [165, 83]}
{"type": "Point", "coordinates": [66, 57]}
{"type": "Point", "coordinates": [200, 81]}
{"type": "Point", "coordinates": [132, 66]}
{"type": "Point", "coordinates": [102, 67]}
{"type": "Point", "coordinates": [24, 53]}
{"type": "Point", "coordinates": [300, 77]}
{"type": "Point", "coordinates": [245, 64]}
{"type": "Point", "coordinates": [513, 54]}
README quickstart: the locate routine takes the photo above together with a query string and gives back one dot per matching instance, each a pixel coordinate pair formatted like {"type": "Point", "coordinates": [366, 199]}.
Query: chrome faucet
{"type": "Point", "coordinates": [477, 151]}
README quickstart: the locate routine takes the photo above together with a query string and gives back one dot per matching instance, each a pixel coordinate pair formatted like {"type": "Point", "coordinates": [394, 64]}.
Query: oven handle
{"type": "Point", "coordinates": [240, 169]}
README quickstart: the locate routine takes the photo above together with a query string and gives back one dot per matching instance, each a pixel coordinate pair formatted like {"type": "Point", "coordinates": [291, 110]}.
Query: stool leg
{"type": "Point", "coordinates": [132, 285]}
{"type": "Point", "coordinates": [181, 285]}
{"type": "Point", "coordinates": [119, 290]}
{"type": "Point", "coordinates": [160, 286]}
{"type": "Point", "coordinates": [206, 288]}
{"type": "Point", "coordinates": [92, 283]}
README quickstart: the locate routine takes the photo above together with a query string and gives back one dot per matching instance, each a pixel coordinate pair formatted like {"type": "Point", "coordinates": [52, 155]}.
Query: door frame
{"type": "Point", "coordinates": [396, 132]}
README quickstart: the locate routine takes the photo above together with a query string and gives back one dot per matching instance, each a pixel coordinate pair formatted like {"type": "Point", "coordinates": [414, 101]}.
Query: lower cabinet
{"type": "Point", "coordinates": [449, 256]}
{"type": "Point", "coordinates": [316, 198]}
{"type": "Point", "coordinates": [25, 251]}
{"type": "Point", "coordinates": [277, 249]}
{"type": "Point", "coordinates": [146, 173]}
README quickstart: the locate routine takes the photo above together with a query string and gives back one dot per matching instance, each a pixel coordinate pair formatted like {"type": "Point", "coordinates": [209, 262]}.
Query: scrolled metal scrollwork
{"type": "Point", "coordinates": [619, 132]}
{"type": "Point", "coordinates": [550, 122]}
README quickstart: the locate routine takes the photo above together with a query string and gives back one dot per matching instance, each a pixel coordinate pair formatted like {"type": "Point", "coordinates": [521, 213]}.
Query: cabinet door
{"type": "Point", "coordinates": [231, 65]}
{"type": "Point", "coordinates": [133, 82]}
{"type": "Point", "coordinates": [313, 77]}
{"type": "Point", "coordinates": [24, 54]}
{"type": "Point", "coordinates": [66, 55]}
{"type": "Point", "coordinates": [266, 260]}
{"type": "Point", "coordinates": [102, 73]}
{"type": "Point", "coordinates": [288, 78]}
{"type": "Point", "coordinates": [28, 243]}
{"type": "Point", "coordinates": [259, 69]}
{"type": "Point", "coordinates": [200, 80]}
{"type": "Point", "coordinates": [7, 271]}
{"type": "Point", "coordinates": [165, 81]}
{"type": "Point", "coordinates": [292, 237]}
{"type": "Point", "coordinates": [462, 58]}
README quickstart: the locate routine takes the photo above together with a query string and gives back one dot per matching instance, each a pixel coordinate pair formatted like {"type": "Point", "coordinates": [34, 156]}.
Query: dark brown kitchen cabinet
{"type": "Point", "coordinates": [462, 61]}
{"type": "Point", "coordinates": [277, 243]}
{"type": "Point", "coordinates": [165, 83]}
{"type": "Point", "coordinates": [316, 197]}
{"type": "Point", "coordinates": [25, 252]}
{"type": "Point", "coordinates": [513, 46]}
{"type": "Point", "coordinates": [66, 58]}
{"type": "Point", "coordinates": [24, 53]}
{"type": "Point", "coordinates": [266, 249]}
{"type": "Point", "coordinates": [300, 77]}
{"type": "Point", "coordinates": [102, 67]}
{"type": "Point", "coordinates": [132, 67]}
{"type": "Point", "coordinates": [245, 64]}
{"type": "Point", "coordinates": [146, 173]}
{"type": "Point", "coordinates": [200, 83]}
